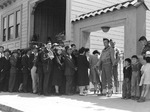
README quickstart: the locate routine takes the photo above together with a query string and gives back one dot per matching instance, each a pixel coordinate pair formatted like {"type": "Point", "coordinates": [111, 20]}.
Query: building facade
{"type": "Point", "coordinates": [21, 20]}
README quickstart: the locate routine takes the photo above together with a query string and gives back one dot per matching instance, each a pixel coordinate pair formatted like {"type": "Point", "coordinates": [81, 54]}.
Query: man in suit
{"type": "Point", "coordinates": [69, 70]}
{"type": "Point", "coordinates": [5, 71]}
{"type": "Point", "coordinates": [26, 69]}
{"type": "Point", "coordinates": [47, 65]}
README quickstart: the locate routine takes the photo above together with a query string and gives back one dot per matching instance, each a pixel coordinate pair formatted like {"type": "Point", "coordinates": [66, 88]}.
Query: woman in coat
{"type": "Point", "coordinates": [13, 71]}
{"type": "Point", "coordinates": [58, 70]}
{"type": "Point", "coordinates": [82, 71]}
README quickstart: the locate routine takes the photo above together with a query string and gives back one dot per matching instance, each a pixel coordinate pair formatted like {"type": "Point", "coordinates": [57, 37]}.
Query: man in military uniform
{"type": "Point", "coordinates": [106, 63]}
{"type": "Point", "coordinates": [146, 45]}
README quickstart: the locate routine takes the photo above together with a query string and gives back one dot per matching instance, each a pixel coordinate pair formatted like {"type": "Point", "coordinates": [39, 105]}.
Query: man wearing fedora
{"type": "Point", "coordinates": [5, 71]}
{"type": "Point", "coordinates": [13, 72]}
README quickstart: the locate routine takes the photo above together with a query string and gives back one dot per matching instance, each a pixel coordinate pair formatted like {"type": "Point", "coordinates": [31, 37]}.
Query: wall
{"type": "Point", "coordinates": [78, 7]}
{"type": "Point", "coordinates": [22, 41]}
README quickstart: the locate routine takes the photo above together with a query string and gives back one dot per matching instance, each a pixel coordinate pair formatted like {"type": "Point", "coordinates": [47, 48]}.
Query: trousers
{"type": "Point", "coordinates": [115, 75]}
{"type": "Point", "coordinates": [135, 89]}
{"type": "Point", "coordinates": [126, 88]}
{"type": "Point", "coordinates": [106, 76]}
{"type": "Point", "coordinates": [35, 79]}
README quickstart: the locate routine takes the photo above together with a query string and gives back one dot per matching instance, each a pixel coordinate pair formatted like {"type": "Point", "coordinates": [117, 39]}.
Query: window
{"type": "Point", "coordinates": [4, 28]}
{"type": "Point", "coordinates": [11, 25]}
{"type": "Point", "coordinates": [18, 24]}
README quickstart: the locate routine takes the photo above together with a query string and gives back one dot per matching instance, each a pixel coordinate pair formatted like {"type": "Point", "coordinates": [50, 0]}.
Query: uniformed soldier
{"type": "Point", "coordinates": [146, 45]}
{"type": "Point", "coordinates": [106, 63]}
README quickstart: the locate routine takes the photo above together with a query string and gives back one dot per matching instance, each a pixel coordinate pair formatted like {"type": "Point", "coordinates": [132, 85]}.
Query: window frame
{"type": "Point", "coordinates": [7, 14]}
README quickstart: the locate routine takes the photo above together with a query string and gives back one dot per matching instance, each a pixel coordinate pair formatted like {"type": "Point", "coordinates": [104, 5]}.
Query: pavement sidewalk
{"type": "Point", "coordinates": [91, 103]}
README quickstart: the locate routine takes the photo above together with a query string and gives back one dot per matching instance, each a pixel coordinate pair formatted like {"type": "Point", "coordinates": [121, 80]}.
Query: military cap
{"type": "Point", "coordinates": [142, 38]}
{"type": "Point", "coordinates": [105, 39]}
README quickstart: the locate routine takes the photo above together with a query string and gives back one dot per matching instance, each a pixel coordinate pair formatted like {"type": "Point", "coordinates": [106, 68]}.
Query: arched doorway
{"type": "Point", "coordinates": [49, 19]}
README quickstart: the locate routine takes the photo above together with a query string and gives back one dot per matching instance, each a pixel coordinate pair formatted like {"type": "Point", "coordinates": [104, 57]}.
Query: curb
{"type": "Point", "coordinates": [5, 108]}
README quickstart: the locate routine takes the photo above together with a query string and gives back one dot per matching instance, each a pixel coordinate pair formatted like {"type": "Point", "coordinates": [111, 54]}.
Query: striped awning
{"type": "Point", "coordinates": [119, 6]}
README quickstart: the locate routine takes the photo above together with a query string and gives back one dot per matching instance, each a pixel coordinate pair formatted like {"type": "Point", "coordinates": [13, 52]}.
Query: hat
{"type": "Point", "coordinates": [59, 47]}
{"type": "Point", "coordinates": [142, 38]}
{"type": "Point", "coordinates": [55, 44]}
{"type": "Point", "coordinates": [15, 51]}
{"type": "Point", "coordinates": [111, 40]}
{"type": "Point", "coordinates": [2, 47]}
{"type": "Point", "coordinates": [105, 39]}
{"type": "Point", "coordinates": [7, 50]}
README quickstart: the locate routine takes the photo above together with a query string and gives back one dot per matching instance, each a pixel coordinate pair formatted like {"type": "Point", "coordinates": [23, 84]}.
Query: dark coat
{"type": "Point", "coordinates": [127, 72]}
{"type": "Point", "coordinates": [33, 61]}
{"type": "Point", "coordinates": [5, 72]}
{"type": "Point", "coordinates": [58, 70]}
{"type": "Point", "coordinates": [69, 66]}
{"type": "Point", "coordinates": [27, 81]}
{"type": "Point", "coordinates": [5, 67]}
{"type": "Point", "coordinates": [82, 72]}
{"type": "Point", "coordinates": [25, 64]}
{"type": "Point", "coordinates": [13, 74]}
{"type": "Point", "coordinates": [47, 66]}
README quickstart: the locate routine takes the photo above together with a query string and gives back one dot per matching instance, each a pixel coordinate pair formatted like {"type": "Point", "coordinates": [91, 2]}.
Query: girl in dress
{"type": "Point", "coordinates": [145, 79]}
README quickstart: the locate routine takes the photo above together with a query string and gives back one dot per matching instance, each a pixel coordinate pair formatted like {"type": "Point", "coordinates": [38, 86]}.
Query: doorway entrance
{"type": "Point", "coordinates": [130, 14]}
{"type": "Point", "coordinates": [117, 35]}
{"type": "Point", "coordinates": [49, 19]}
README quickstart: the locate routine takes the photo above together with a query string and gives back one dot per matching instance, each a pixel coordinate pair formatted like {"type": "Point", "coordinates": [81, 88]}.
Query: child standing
{"type": "Point", "coordinates": [127, 71]}
{"type": "Point", "coordinates": [145, 79]}
{"type": "Point", "coordinates": [136, 67]}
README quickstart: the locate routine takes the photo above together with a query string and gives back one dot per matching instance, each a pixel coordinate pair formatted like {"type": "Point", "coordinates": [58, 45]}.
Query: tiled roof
{"type": "Point", "coordinates": [112, 8]}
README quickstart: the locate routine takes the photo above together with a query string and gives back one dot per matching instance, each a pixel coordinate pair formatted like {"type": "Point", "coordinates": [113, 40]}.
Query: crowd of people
{"type": "Point", "coordinates": [48, 69]}
{"type": "Point", "coordinates": [52, 69]}
{"type": "Point", "coordinates": [58, 69]}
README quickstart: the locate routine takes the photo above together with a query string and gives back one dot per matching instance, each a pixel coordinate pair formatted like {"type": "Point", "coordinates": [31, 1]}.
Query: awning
{"type": "Point", "coordinates": [119, 6]}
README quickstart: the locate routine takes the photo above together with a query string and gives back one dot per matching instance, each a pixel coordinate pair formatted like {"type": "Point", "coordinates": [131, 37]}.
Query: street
{"type": "Point", "coordinates": [75, 103]}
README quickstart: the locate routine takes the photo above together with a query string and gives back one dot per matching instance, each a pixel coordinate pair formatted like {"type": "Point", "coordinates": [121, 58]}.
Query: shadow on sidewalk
{"type": "Point", "coordinates": [113, 103]}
